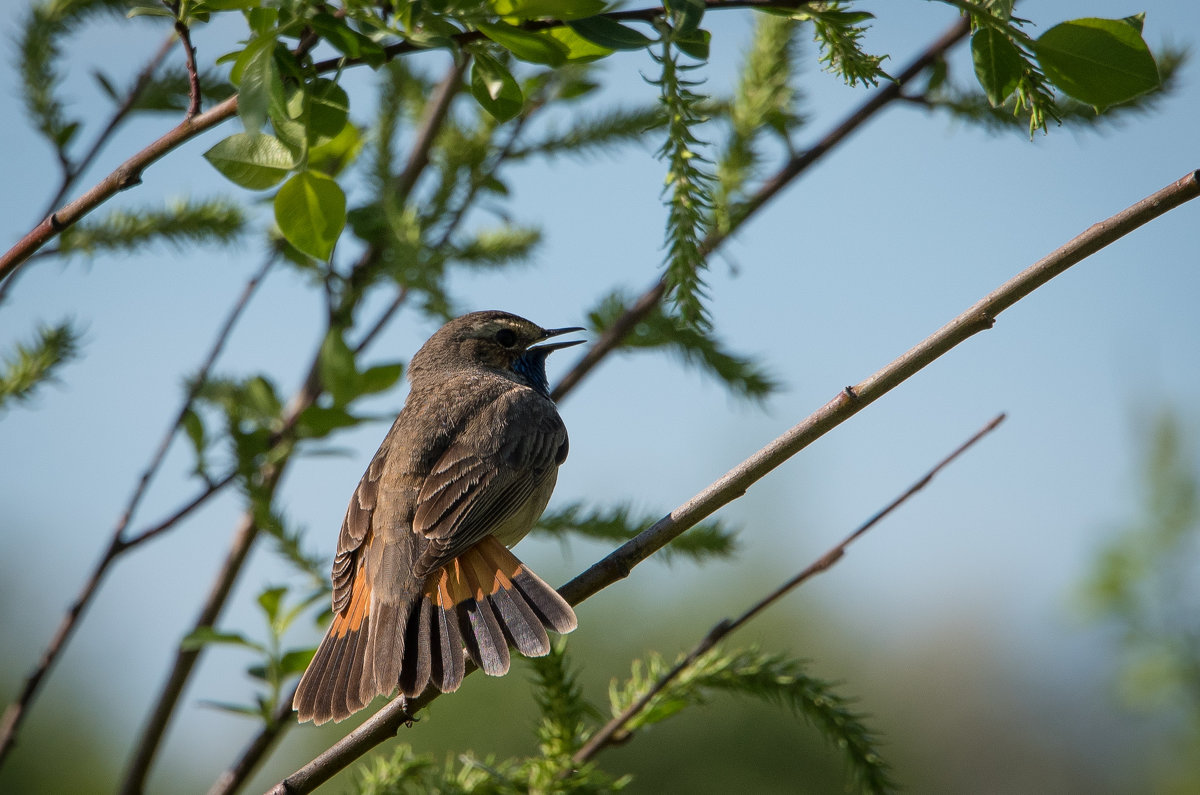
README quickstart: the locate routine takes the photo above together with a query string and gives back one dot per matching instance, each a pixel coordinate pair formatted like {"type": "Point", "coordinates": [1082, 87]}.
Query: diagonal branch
{"type": "Point", "coordinates": [613, 731]}
{"type": "Point", "coordinates": [118, 543]}
{"type": "Point", "coordinates": [384, 724]}
{"type": "Point", "coordinates": [794, 167]}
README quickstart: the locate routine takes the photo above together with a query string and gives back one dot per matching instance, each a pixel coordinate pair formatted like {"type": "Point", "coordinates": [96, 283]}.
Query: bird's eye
{"type": "Point", "coordinates": [506, 337]}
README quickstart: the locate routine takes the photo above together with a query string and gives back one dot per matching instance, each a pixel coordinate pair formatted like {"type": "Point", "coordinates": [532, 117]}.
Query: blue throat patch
{"type": "Point", "coordinates": [531, 366]}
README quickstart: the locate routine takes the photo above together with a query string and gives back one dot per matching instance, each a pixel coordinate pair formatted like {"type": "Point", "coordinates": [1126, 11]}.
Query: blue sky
{"type": "Point", "coordinates": [902, 228]}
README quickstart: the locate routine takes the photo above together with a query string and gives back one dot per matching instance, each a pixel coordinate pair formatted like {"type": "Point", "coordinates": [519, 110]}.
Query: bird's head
{"type": "Point", "coordinates": [495, 340]}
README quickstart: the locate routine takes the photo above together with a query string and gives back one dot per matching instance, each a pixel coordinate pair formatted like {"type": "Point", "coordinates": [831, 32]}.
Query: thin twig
{"type": "Point", "coordinates": [232, 779]}
{"type": "Point", "coordinates": [387, 721]}
{"type": "Point", "coordinates": [794, 167]}
{"type": "Point", "coordinates": [613, 731]}
{"type": "Point", "coordinates": [118, 544]}
{"type": "Point", "coordinates": [189, 51]}
{"type": "Point", "coordinates": [72, 171]}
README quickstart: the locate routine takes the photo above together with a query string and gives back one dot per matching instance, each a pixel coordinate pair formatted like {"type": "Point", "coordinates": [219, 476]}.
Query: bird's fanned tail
{"type": "Point", "coordinates": [483, 601]}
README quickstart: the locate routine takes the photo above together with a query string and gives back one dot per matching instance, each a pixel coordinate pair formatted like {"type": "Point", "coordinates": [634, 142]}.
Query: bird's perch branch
{"type": "Point", "coordinates": [385, 723]}
{"type": "Point", "coordinates": [612, 731]}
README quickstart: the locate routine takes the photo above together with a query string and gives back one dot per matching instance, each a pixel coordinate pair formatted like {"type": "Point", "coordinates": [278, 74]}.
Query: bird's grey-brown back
{"type": "Point", "coordinates": [470, 462]}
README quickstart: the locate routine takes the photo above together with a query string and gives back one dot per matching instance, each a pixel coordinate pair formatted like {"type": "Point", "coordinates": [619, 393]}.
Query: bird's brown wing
{"type": "Point", "coordinates": [506, 455]}
{"type": "Point", "coordinates": [355, 528]}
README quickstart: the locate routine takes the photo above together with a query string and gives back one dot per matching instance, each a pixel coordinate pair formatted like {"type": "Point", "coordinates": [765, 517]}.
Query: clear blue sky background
{"type": "Point", "coordinates": [899, 230]}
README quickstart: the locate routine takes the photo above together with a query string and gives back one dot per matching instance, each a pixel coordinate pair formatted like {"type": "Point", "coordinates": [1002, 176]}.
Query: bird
{"type": "Point", "coordinates": [423, 578]}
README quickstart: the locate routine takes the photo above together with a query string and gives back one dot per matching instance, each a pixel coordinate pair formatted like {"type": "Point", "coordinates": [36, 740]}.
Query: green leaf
{"type": "Point", "coordinates": [1101, 62]}
{"type": "Point", "coordinates": [333, 156]}
{"type": "Point", "coordinates": [269, 600]}
{"type": "Point", "coordinates": [347, 40]}
{"type": "Point", "coordinates": [260, 399]}
{"type": "Point", "coordinates": [336, 367]}
{"type": "Point", "coordinates": [149, 11]}
{"type": "Point", "coordinates": [310, 210]}
{"type": "Point", "coordinates": [329, 111]}
{"type": "Point", "coordinates": [380, 378]}
{"type": "Point", "coordinates": [686, 15]}
{"type": "Point", "coordinates": [317, 422]}
{"type": "Point", "coordinates": [255, 162]}
{"type": "Point", "coordinates": [695, 44]}
{"type": "Point", "coordinates": [295, 661]}
{"type": "Point", "coordinates": [495, 89]}
{"type": "Point", "coordinates": [258, 83]}
{"type": "Point", "coordinates": [554, 9]}
{"type": "Point", "coordinates": [579, 49]}
{"type": "Point", "coordinates": [31, 365]}
{"type": "Point", "coordinates": [998, 64]}
{"type": "Point", "coordinates": [526, 45]}
{"type": "Point", "coordinates": [202, 636]}
{"type": "Point", "coordinates": [610, 33]}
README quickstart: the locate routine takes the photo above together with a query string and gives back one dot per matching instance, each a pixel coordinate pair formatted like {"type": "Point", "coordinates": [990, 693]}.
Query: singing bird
{"type": "Point", "coordinates": [423, 569]}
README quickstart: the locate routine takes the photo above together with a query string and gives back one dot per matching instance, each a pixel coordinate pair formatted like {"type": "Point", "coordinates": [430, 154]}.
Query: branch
{"type": "Point", "coordinates": [236, 774]}
{"type": "Point", "coordinates": [129, 173]}
{"type": "Point", "coordinates": [613, 730]}
{"type": "Point", "coordinates": [794, 167]}
{"type": "Point", "coordinates": [189, 52]}
{"type": "Point", "coordinates": [387, 721]}
{"type": "Point", "coordinates": [118, 544]}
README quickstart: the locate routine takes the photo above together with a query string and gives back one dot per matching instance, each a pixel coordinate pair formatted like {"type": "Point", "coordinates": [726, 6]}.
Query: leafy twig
{"type": "Point", "coordinates": [610, 731]}
{"type": "Point", "coordinates": [795, 166]}
{"type": "Point", "coordinates": [386, 722]}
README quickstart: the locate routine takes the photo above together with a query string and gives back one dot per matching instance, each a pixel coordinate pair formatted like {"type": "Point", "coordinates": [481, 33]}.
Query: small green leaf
{"type": "Point", "coordinates": [347, 40]}
{"type": "Point", "coordinates": [554, 9]}
{"type": "Point", "coordinates": [310, 210]}
{"type": "Point", "coordinates": [255, 162]}
{"type": "Point", "coordinates": [228, 5]}
{"type": "Point", "coordinates": [1101, 62]}
{"type": "Point", "coordinates": [202, 636]}
{"type": "Point", "coordinates": [686, 15]}
{"type": "Point", "coordinates": [261, 400]}
{"type": "Point", "coordinates": [610, 33]}
{"type": "Point", "coordinates": [149, 11]}
{"type": "Point", "coordinates": [258, 83]}
{"type": "Point", "coordinates": [269, 601]}
{"type": "Point", "coordinates": [695, 44]}
{"type": "Point", "coordinates": [336, 366]}
{"type": "Point", "coordinates": [333, 156]}
{"type": "Point", "coordinates": [495, 89]}
{"type": "Point", "coordinates": [317, 422]}
{"type": "Point", "coordinates": [526, 45]}
{"type": "Point", "coordinates": [579, 49]}
{"type": "Point", "coordinates": [329, 110]}
{"type": "Point", "coordinates": [380, 378]}
{"type": "Point", "coordinates": [295, 661]}
{"type": "Point", "coordinates": [193, 426]}
{"type": "Point", "coordinates": [998, 64]}
{"type": "Point", "coordinates": [236, 709]}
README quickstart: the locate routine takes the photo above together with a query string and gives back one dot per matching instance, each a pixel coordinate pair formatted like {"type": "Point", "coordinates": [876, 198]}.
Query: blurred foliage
{"type": "Point", "coordinates": [1146, 584]}
{"type": "Point", "coordinates": [32, 365]}
{"type": "Point", "coordinates": [568, 721]}
{"type": "Point", "coordinates": [705, 540]}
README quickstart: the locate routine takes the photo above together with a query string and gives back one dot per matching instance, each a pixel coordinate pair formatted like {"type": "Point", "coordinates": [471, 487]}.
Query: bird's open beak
{"type": "Point", "coordinates": [554, 346]}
